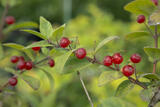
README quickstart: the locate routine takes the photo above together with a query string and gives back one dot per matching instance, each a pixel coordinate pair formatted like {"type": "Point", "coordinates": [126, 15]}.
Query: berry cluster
{"type": "Point", "coordinates": [117, 59]}
{"type": "Point", "coordinates": [21, 63]}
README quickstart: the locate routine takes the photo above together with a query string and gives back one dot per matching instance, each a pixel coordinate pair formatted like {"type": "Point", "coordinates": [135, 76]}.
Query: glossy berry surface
{"type": "Point", "coordinates": [135, 58]}
{"type": "Point", "coordinates": [29, 65]}
{"type": "Point", "coordinates": [128, 70]}
{"type": "Point", "coordinates": [107, 61]}
{"type": "Point", "coordinates": [14, 59]}
{"type": "Point", "coordinates": [117, 58]}
{"type": "Point", "coordinates": [141, 19]}
{"type": "Point", "coordinates": [36, 48]}
{"type": "Point", "coordinates": [51, 63]}
{"type": "Point", "coordinates": [21, 65]}
{"type": "Point", "coordinates": [64, 42]}
{"type": "Point", "coordinates": [80, 53]}
{"type": "Point", "coordinates": [13, 81]}
{"type": "Point", "coordinates": [10, 20]}
{"type": "Point", "coordinates": [155, 2]}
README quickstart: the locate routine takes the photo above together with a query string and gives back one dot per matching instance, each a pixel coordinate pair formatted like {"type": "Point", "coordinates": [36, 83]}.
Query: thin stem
{"type": "Point", "coordinates": [46, 58]}
{"type": "Point", "coordinates": [149, 29]}
{"type": "Point", "coordinates": [156, 46]}
{"type": "Point", "coordinates": [85, 89]}
{"type": "Point", "coordinates": [3, 19]}
{"type": "Point", "coordinates": [135, 71]}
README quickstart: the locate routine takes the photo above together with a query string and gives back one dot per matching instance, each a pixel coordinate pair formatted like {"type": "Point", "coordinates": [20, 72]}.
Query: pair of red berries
{"type": "Point", "coordinates": [128, 70]}
{"type": "Point", "coordinates": [80, 53]}
{"type": "Point", "coordinates": [10, 20]}
{"type": "Point", "coordinates": [21, 63]}
{"type": "Point", "coordinates": [116, 59]}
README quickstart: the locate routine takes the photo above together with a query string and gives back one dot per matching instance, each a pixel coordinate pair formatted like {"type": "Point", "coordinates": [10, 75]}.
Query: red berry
{"type": "Point", "coordinates": [117, 58]}
{"type": "Point", "coordinates": [128, 70]}
{"type": "Point", "coordinates": [80, 53]}
{"type": "Point", "coordinates": [51, 63]}
{"type": "Point", "coordinates": [21, 58]}
{"type": "Point", "coordinates": [64, 42]}
{"type": "Point", "coordinates": [29, 65]}
{"type": "Point", "coordinates": [107, 61]}
{"type": "Point", "coordinates": [13, 81]}
{"type": "Point", "coordinates": [21, 65]}
{"type": "Point", "coordinates": [14, 59]}
{"type": "Point", "coordinates": [135, 58]}
{"type": "Point", "coordinates": [155, 2]}
{"type": "Point", "coordinates": [141, 19]}
{"type": "Point", "coordinates": [10, 20]}
{"type": "Point", "coordinates": [36, 48]}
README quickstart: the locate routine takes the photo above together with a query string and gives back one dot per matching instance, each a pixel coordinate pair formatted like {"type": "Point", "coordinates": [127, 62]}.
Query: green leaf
{"type": "Point", "coordinates": [108, 76]}
{"type": "Point", "coordinates": [20, 26]}
{"type": "Point", "coordinates": [20, 48]}
{"type": "Point", "coordinates": [31, 81]}
{"type": "Point", "coordinates": [137, 35]}
{"type": "Point", "coordinates": [147, 94]}
{"type": "Point", "coordinates": [35, 33]}
{"type": "Point", "coordinates": [46, 28]}
{"type": "Point", "coordinates": [150, 76]}
{"type": "Point", "coordinates": [45, 51]}
{"type": "Point", "coordinates": [154, 18]}
{"type": "Point", "coordinates": [61, 61]}
{"type": "Point", "coordinates": [105, 41]}
{"type": "Point", "coordinates": [57, 52]}
{"type": "Point", "coordinates": [1, 51]}
{"type": "Point", "coordinates": [145, 7]}
{"type": "Point", "coordinates": [153, 53]}
{"type": "Point", "coordinates": [73, 64]}
{"type": "Point", "coordinates": [115, 102]}
{"type": "Point", "coordinates": [14, 46]}
{"type": "Point", "coordinates": [58, 32]}
{"type": "Point", "coordinates": [10, 70]}
{"type": "Point", "coordinates": [123, 88]}
{"type": "Point", "coordinates": [42, 43]}
{"type": "Point", "coordinates": [49, 77]}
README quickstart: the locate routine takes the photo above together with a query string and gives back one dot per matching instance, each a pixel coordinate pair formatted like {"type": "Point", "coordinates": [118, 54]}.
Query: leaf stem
{"type": "Point", "coordinates": [156, 46]}
{"type": "Point", "coordinates": [85, 89]}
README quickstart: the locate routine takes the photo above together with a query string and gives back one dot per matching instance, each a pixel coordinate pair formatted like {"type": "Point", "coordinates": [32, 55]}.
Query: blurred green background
{"type": "Point", "coordinates": [90, 20]}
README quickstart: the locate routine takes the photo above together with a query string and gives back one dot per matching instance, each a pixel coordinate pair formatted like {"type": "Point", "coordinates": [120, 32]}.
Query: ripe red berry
{"type": "Point", "coordinates": [51, 63]}
{"type": "Point", "coordinates": [107, 61]}
{"type": "Point", "coordinates": [29, 65]}
{"type": "Point", "coordinates": [117, 58]}
{"type": "Point", "coordinates": [128, 70]}
{"type": "Point", "coordinates": [80, 53]}
{"type": "Point", "coordinates": [135, 58]}
{"type": "Point", "coordinates": [13, 81]}
{"type": "Point", "coordinates": [14, 59]}
{"type": "Point", "coordinates": [64, 42]}
{"type": "Point", "coordinates": [155, 2]}
{"type": "Point", "coordinates": [36, 48]}
{"type": "Point", "coordinates": [21, 58]}
{"type": "Point", "coordinates": [10, 20]}
{"type": "Point", "coordinates": [141, 19]}
{"type": "Point", "coordinates": [21, 65]}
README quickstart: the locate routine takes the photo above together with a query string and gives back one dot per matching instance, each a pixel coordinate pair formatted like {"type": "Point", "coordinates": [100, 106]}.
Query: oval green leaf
{"type": "Point", "coordinates": [20, 25]}
{"type": "Point", "coordinates": [108, 76]}
{"type": "Point", "coordinates": [105, 41]}
{"type": "Point", "coordinates": [34, 33]}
